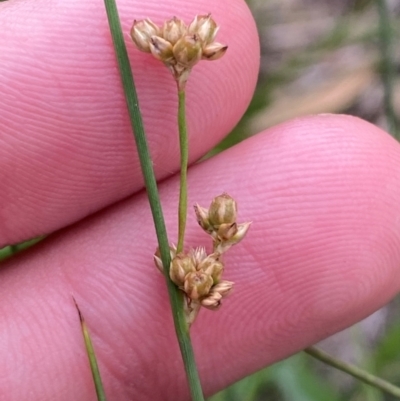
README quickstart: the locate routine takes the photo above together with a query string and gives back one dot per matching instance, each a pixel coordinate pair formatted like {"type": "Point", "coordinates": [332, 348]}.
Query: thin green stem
{"type": "Point", "coordinates": [92, 358]}
{"type": "Point", "coordinates": [354, 371]}
{"type": "Point", "coordinates": [175, 296]}
{"type": "Point", "coordinates": [184, 150]}
{"type": "Point", "coordinates": [387, 67]}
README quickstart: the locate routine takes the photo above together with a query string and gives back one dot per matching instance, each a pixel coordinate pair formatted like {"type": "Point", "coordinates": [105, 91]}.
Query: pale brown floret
{"type": "Point", "coordinates": [141, 33]}
{"type": "Point", "coordinates": [202, 218]}
{"type": "Point", "coordinates": [223, 288]}
{"type": "Point", "coordinates": [157, 257]}
{"type": "Point", "coordinates": [219, 291]}
{"type": "Point", "coordinates": [181, 265]}
{"type": "Point", "coordinates": [205, 27]}
{"type": "Point", "coordinates": [173, 29]}
{"type": "Point", "coordinates": [161, 49]}
{"type": "Point", "coordinates": [213, 301]}
{"type": "Point", "coordinates": [212, 266]}
{"type": "Point", "coordinates": [213, 51]}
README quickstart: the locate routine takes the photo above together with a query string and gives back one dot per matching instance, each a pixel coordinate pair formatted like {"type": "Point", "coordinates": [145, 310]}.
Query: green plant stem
{"type": "Point", "coordinates": [92, 358]}
{"type": "Point", "coordinates": [175, 296]}
{"type": "Point", "coordinates": [354, 371]}
{"type": "Point", "coordinates": [184, 150]}
{"type": "Point", "coordinates": [387, 67]}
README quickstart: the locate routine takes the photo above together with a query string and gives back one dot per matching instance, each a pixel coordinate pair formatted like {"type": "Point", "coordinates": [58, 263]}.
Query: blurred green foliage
{"type": "Point", "coordinates": [299, 378]}
{"type": "Point", "coordinates": [10, 250]}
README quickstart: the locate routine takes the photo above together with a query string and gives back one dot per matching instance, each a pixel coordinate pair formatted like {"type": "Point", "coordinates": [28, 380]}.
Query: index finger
{"type": "Point", "coordinates": [67, 149]}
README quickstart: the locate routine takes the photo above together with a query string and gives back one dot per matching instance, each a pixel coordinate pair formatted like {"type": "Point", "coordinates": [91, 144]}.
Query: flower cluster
{"type": "Point", "coordinates": [220, 222]}
{"type": "Point", "coordinates": [177, 45]}
{"type": "Point", "coordinates": [197, 274]}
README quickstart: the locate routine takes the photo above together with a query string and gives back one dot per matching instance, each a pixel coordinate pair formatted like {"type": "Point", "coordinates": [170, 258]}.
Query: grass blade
{"type": "Point", "coordinates": [354, 371]}
{"type": "Point", "coordinates": [92, 358]}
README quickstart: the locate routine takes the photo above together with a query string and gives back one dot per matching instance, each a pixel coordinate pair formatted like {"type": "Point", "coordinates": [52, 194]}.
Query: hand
{"type": "Point", "coordinates": [322, 192]}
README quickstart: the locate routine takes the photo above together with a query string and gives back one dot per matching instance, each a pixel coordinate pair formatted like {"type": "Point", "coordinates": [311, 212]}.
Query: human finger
{"type": "Point", "coordinates": [322, 253]}
{"type": "Point", "coordinates": [67, 149]}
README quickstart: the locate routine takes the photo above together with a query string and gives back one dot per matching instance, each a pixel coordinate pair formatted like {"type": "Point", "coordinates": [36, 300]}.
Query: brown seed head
{"type": "Point", "coordinates": [179, 47]}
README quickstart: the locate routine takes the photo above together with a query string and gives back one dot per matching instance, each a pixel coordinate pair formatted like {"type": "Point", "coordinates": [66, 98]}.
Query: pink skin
{"type": "Point", "coordinates": [322, 192]}
{"type": "Point", "coordinates": [67, 147]}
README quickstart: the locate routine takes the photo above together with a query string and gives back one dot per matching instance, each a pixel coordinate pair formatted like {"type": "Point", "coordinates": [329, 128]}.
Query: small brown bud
{"type": "Point", "coordinates": [214, 51]}
{"type": "Point", "coordinates": [187, 51]}
{"type": "Point", "coordinates": [202, 218]}
{"type": "Point", "coordinates": [161, 49]}
{"type": "Point", "coordinates": [173, 30]}
{"type": "Point", "coordinates": [141, 33]}
{"type": "Point", "coordinates": [181, 265]}
{"type": "Point", "coordinates": [197, 284]}
{"type": "Point", "coordinates": [222, 210]}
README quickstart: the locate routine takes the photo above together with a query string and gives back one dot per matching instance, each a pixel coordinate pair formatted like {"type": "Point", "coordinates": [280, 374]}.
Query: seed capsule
{"type": "Point", "coordinates": [187, 51]}
{"type": "Point", "coordinates": [204, 27]}
{"type": "Point", "coordinates": [173, 30]}
{"type": "Point", "coordinates": [141, 33]}
{"type": "Point", "coordinates": [223, 210]}
{"type": "Point", "coordinates": [197, 285]}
